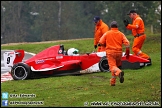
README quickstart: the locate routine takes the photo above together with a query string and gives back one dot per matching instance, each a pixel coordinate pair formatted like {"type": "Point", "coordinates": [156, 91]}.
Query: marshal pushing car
{"type": "Point", "coordinates": [56, 61]}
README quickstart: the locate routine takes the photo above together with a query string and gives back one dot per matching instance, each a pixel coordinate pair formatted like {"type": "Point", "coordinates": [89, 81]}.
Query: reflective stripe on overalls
{"type": "Point", "coordinates": [115, 70]}
{"type": "Point", "coordinates": [139, 53]}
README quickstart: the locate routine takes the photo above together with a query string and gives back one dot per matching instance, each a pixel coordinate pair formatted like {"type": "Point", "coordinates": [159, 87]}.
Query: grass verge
{"type": "Point", "coordinates": [142, 85]}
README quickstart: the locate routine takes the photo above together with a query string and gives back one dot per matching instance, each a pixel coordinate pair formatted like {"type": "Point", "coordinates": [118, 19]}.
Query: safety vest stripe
{"type": "Point", "coordinates": [113, 77]}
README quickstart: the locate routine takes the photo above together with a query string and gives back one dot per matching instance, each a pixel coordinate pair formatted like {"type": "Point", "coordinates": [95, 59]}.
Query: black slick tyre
{"type": "Point", "coordinates": [103, 64]}
{"type": "Point", "coordinates": [20, 71]}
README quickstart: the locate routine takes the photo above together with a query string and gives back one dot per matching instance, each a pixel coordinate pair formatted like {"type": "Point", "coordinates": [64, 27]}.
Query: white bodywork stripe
{"type": "Point", "coordinates": [46, 69]}
{"type": "Point", "coordinates": [91, 69]}
{"type": "Point", "coordinates": [101, 54]}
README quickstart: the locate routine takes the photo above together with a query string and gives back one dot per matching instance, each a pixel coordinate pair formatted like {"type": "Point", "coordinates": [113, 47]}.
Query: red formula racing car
{"type": "Point", "coordinates": [56, 61]}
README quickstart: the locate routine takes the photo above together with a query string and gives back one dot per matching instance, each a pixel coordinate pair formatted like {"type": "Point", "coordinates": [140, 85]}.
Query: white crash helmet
{"type": "Point", "coordinates": [73, 51]}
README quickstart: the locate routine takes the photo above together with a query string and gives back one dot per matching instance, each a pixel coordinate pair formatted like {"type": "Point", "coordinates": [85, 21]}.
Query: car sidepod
{"type": "Point", "coordinates": [20, 71]}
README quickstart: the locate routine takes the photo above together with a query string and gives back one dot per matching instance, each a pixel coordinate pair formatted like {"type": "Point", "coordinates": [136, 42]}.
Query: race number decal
{"type": "Point", "coordinates": [9, 58]}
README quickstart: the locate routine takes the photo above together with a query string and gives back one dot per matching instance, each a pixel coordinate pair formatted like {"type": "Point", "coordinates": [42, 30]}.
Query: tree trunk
{"type": "Point", "coordinates": [152, 31]}
{"type": "Point", "coordinates": [59, 19]}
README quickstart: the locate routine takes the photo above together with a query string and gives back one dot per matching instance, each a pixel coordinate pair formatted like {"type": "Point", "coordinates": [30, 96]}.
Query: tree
{"type": "Point", "coordinates": [33, 21]}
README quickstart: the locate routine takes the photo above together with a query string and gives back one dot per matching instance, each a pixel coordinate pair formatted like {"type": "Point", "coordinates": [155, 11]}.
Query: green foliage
{"type": "Point", "coordinates": [142, 85]}
{"type": "Point", "coordinates": [35, 21]}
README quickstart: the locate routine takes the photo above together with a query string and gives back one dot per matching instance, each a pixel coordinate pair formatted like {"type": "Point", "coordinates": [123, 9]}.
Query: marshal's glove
{"type": "Point", "coordinates": [127, 53]}
{"type": "Point", "coordinates": [95, 46]}
{"type": "Point", "coordinates": [126, 22]}
{"type": "Point", "coordinates": [99, 44]}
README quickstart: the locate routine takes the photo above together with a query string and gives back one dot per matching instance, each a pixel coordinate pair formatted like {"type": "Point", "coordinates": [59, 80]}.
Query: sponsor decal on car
{"type": "Point", "coordinates": [39, 61]}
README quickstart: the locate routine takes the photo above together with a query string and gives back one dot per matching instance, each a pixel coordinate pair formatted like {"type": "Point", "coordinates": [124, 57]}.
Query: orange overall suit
{"type": "Point", "coordinates": [114, 39]}
{"type": "Point", "coordinates": [100, 29]}
{"type": "Point", "coordinates": [138, 29]}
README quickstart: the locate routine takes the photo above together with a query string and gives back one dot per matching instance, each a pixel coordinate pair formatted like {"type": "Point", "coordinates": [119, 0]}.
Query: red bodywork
{"type": "Point", "coordinates": [134, 58]}
{"type": "Point", "coordinates": [53, 59]}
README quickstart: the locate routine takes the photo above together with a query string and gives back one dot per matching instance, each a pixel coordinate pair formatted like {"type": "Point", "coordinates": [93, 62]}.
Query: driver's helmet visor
{"type": "Point", "coordinates": [75, 52]}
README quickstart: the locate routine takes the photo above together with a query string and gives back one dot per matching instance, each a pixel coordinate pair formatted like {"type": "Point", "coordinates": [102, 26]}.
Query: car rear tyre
{"type": "Point", "coordinates": [103, 64]}
{"type": "Point", "coordinates": [20, 71]}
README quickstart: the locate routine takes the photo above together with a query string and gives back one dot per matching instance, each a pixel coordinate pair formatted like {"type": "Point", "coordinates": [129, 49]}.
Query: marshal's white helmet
{"type": "Point", "coordinates": [73, 51]}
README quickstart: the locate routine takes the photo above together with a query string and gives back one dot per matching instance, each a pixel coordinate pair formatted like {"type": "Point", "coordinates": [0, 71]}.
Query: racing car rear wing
{"type": "Point", "coordinates": [13, 57]}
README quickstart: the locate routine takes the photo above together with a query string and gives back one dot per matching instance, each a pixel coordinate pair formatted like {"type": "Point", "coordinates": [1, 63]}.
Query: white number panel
{"type": "Point", "coordinates": [9, 58]}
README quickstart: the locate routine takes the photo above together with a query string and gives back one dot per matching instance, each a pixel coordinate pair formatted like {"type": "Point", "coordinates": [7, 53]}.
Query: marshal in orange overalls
{"type": "Point", "coordinates": [114, 39]}
{"type": "Point", "coordinates": [100, 29]}
{"type": "Point", "coordinates": [138, 29]}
